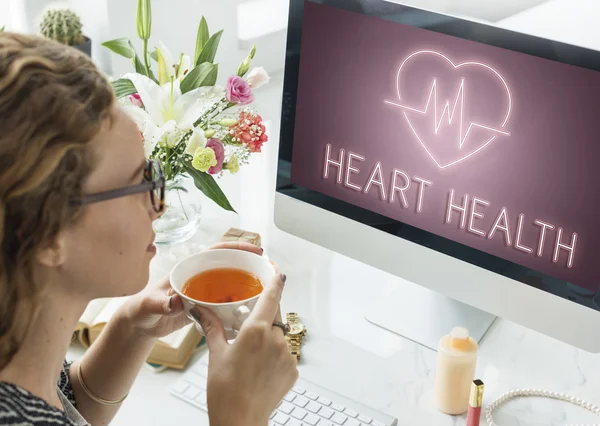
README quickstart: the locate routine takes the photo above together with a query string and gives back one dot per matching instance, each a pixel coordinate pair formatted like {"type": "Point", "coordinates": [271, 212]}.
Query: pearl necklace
{"type": "Point", "coordinates": [538, 392]}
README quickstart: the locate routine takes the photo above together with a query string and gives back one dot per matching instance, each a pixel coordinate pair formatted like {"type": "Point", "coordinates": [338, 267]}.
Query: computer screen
{"type": "Point", "coordinates": [476, 142]}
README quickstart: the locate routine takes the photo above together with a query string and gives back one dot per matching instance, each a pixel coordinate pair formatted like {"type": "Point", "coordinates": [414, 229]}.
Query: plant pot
{"type": "Point", "coordinates": [85, 47]}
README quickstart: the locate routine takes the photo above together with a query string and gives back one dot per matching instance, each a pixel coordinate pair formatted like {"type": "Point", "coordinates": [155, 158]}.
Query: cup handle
{"type": "Point", "coordinates": [241, 313]}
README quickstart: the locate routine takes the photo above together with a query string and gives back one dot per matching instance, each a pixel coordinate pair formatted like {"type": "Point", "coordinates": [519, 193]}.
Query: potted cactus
{"type": "Point", "coordinates": [64, 26]}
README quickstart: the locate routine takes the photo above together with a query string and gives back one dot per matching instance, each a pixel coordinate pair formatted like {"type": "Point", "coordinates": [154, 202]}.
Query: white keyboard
{"type": "Point", "coordinates": [307, 404]}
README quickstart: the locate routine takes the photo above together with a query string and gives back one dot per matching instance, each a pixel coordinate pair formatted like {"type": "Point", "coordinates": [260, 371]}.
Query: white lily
{"type": "Point", "coordinates": [166, 108]}
{"type": "Point", "coordinates": [183, 66]}
{"type": "Point", "coordinates": [166, 64]}
{"type": "Point", "coordinates": [197, 140]}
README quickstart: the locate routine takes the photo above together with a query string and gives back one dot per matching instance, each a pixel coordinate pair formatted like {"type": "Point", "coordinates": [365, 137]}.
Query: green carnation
{"type": "Point", "coordinates": [204, 159]}
{"type": "Point", "coordinates": [233, 165]}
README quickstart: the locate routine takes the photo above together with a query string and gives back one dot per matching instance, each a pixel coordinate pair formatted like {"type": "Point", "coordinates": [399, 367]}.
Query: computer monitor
{"type": "Point", "coordinates": [459, 156]}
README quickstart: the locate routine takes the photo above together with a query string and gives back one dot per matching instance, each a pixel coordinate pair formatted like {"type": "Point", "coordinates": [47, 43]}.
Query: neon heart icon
{"type": "Point", "coordinates": [461, 137]}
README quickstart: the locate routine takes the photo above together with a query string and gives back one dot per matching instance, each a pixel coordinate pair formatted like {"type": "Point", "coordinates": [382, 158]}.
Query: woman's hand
{"type": "Point", "coordinates": [248, 378]}
{"type": "Point", "coordinates": [157, 311]}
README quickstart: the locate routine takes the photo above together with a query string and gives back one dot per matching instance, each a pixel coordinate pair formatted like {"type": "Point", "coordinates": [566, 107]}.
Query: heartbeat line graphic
{"type": "Point", "coordinates": [456, 111]}
{"type": "Point", "coordinates": [458, 103]}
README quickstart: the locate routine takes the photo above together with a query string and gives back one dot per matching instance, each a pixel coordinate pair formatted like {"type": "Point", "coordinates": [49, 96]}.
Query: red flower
{"type": "Point", "coordinates": [250, 131]}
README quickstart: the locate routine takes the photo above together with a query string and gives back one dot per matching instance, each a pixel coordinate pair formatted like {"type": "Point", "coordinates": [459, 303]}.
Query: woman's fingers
{"type": "Point", "coordinates": [268, 302]}
{"type": "Point", "coordinates": [237, 245]}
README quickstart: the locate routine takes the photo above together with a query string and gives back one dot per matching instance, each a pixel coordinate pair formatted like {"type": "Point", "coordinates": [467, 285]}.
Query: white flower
{"type": "Point", "coordinates": [257, 77]}
{"type": "Point", "coordinates": [173, 136]}
{"type": "Point", "coordinates": [166, 108]}
{"type": "Point", "coordinates": [183, 67]}
{"type": "Point", "coordinates": [169, 62]}
{"type": "Point", "coordinates": [197, 140]}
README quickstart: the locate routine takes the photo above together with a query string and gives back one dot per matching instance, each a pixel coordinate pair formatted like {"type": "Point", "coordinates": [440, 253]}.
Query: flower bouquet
{"type": "Point", "coordinates": [194, 127]}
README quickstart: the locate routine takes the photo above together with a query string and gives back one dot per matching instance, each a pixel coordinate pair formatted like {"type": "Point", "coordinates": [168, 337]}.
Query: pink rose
{"type": "Point", "coordinates": [216, 145]}
{"type": "Point", "coordinates": [238, 91]}
{"type": "Point", "coordinates": [136, 100]}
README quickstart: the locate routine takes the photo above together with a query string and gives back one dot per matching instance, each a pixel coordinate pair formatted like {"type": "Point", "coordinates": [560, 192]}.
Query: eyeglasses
{"type": "Point", "coordinates": [154, 183]}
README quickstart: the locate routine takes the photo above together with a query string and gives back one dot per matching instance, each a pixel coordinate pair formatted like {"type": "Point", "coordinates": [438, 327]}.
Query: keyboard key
{"type": "Point", "coordinates": [338, 407]}
{"type": "Point", "coordinates": [289, 397]}
{"type": "Point", "coordinates": [325, 423]}
{"type": "Point", "coordinates": [366, 420]}
{"type": "Point", "coordinates": [311, 419]}
{"type": "Point", "coordinates": [324, 401]}
{"type": "Point", "coordinates": [376, 423]}
{"type": "Point", "coordinates": [281, 419]}
{"type": "Point", "coordinates": [273, 414]}
{"type": "Point", "coordinates": [192, 392]}
{"type": "Point", "coordinates": [299, 413]}
{"type": "Point", "coordinates": [326, 413]}
{"type": "Point", "coordinates": [350, 413]}
{"type": "Point", "coordinates": [298, 390]}
{"type": "Point", "coordinates": [300, 401]}
{"type": "Point", "coordinates": [352, 422]}
{"type": "Point", "coordinates": [313, 407]}
{"type": "Point", "coordinates": [286, 407]}
{"type": "Point", "coordinates": [294, 422]}
{"type": "Point", "coordinates": [201, 398]}
{"type": "Point", "coordinates": [311, 395]}
{"type": "Point", "coordinates": [338, 418]}
{"type": "Point", "coordinates": [181, 387]}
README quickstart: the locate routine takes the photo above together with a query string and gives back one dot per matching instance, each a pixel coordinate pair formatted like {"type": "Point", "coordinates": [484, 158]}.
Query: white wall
{"type": "Point", "coordinates": [487, 10]}
{"type": "Point", "coordinates": [12, 15]}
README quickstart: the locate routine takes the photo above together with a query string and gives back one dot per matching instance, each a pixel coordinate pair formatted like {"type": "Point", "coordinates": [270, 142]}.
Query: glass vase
{"type": "Point", "coordinates": [182, 215]}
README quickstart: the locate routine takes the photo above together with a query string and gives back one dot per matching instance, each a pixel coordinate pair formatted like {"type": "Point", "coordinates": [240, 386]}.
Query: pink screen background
{"type": "Point", "coordinates": [546, 169]}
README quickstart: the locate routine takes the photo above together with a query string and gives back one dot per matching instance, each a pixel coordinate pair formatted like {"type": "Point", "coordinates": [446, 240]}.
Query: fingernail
{"type": "Point", "coordinates": [283, 277]}
{"type": "Point", "coordinates": [171, 303]}
{"type": "Point", "coordinates": [195, 313]}
{"type": "Point", "coordinates": [262, 250]}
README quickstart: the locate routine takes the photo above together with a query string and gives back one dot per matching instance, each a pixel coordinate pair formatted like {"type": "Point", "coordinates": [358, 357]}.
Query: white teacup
{"type": "Point", "coordinates": [232, 314]}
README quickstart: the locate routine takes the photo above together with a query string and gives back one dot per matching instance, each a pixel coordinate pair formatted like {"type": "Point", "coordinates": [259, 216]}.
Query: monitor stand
{"type": "Point", "coordinates": [425, 316]}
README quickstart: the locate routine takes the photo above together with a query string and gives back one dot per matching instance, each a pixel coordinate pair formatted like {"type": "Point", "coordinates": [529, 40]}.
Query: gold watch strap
{"type": "Point", "coordinates": [294, 346]}
{"type": "Point", "coordinates": [295, 341]}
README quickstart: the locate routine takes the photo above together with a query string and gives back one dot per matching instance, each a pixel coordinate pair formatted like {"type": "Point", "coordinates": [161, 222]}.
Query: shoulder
{"type": "Point", "coordinates": [18, 407]}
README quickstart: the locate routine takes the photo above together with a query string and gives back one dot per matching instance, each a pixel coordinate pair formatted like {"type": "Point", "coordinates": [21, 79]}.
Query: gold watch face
{"type": "Point", "coordinates": [296, 329]}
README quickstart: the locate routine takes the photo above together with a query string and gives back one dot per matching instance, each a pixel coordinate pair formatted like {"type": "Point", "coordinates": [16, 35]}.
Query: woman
{"type": "Point", "coordinates": [63, 141]}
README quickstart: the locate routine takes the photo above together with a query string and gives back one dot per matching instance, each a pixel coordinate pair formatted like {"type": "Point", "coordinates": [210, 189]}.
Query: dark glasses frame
{"type": "Point", "coordinates": [150, 185]}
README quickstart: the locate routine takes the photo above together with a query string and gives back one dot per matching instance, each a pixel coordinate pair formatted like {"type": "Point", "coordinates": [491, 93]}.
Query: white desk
{"type": "Point", "coordinates": [349, 355]}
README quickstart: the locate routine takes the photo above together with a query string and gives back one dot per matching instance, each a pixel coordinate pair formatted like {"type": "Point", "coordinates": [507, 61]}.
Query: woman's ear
{"type": "Point", "coordinates": [53, 255]}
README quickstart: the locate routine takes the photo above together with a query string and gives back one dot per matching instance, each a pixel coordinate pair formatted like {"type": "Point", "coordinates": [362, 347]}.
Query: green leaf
{"type": "Point", "coordinates": [124, 47]}
{"type": "Point", "coordinates": [177, 188]}
{"type": "Point", "coordinates": [207, 184]}
{"type": "Point", "coordinates": [203, 75]}
{"type": "Point", "coordinates": [201, 39]}
{"type": "Point", "coordinates": [210, 49]}
{"type": "Point", "coordinates": [123, 87]}
{"type": "Point", "coordinates": [154, 56]}
{"type": "Point", "coordinates": [121, 46]}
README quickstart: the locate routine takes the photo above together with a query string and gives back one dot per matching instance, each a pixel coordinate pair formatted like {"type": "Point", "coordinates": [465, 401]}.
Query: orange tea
{"type": "Point", "coordinates": [222, 285]}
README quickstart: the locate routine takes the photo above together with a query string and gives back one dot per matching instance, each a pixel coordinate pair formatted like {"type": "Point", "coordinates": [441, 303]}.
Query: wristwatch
{"type": "Point", "coordinates": [296, 333]}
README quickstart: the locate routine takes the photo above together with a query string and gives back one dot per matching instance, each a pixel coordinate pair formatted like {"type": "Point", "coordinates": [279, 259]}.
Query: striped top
{"type": "Point", "coordinates": [19, 407]}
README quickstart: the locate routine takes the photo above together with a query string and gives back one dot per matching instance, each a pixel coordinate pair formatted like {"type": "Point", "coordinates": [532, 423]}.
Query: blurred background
{"type": "Point", "coordinates": [264, 23]}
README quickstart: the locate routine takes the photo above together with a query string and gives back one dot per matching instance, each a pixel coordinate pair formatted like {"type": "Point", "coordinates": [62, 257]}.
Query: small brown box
{"type": "Point", "coordinates": [235, 234]}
